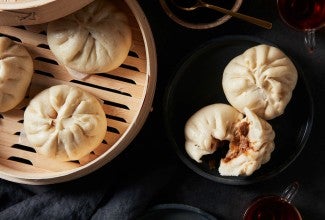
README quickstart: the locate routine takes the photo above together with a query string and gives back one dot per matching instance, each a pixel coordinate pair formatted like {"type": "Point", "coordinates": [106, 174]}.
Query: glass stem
{"type": "Point", "coordinates": [310, 41]}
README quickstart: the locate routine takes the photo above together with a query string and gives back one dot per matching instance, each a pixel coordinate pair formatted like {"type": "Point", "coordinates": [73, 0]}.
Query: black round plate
{"type": "Point", "coordinates": [198, 82]}
{"type": "Point", "coordinates": [176, 212]}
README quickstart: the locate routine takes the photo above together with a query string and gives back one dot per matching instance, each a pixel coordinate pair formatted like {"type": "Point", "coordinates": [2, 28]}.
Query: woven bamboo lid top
{"type": "Point", "coordinates": [23, 4]}
{"type": "Point", "coordinates": [28, 12]}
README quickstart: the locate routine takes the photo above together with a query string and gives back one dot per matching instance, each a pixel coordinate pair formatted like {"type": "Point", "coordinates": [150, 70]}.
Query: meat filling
{"type": "Point", "coordinates": [240, 143]}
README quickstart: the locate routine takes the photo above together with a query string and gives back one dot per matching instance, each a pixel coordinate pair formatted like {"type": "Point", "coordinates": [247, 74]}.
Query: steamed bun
{"type": "Point", "coordinates": [65, 122]}
{"type": "Point", "coordinates": [95, 39]}
{"type": "Point", "coordinates": [16, 70]}
{"type": "Point", "coordinates": [251, 138]}
{"type": "Point", "coordinates": [250, 147]}
{"type": "Point", "coordinates": [209, 125]}
{"type": "Point", "coordinates": [261, 79]}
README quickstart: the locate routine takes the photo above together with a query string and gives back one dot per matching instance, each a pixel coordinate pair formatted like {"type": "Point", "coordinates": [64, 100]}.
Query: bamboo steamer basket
{"type": "Point", "coordinates": [127, 93]}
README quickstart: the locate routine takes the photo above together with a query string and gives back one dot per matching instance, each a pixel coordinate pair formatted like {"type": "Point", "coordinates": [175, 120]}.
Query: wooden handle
{"type": "Point", "coordinates": [256, 21]}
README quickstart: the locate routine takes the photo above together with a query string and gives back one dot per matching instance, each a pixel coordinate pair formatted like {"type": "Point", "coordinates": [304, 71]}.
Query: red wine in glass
{"type": "Point", "coordinates": [304, 15]}
{"type": "Point", "coordinates": [274, 206]}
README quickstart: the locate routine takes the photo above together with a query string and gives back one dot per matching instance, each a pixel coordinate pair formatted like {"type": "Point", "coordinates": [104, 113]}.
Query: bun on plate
{"type": "Point", "coordinates": [250, 147]}
{"type": "Point", "coordinates": [209, 125]}
{"type": "Point", "coordinates": [250, 138]}
{"type": "Point", "coordinates": [261, 79]}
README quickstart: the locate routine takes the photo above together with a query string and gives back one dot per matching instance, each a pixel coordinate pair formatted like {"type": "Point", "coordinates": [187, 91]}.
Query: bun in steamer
{"type": "Point", "coordinates": [95, 39]}
{"type": "Point", "coordinates": [16, 71]}
{"type": "Point", "coordinates": [251, 139]}
{"type": "Point", "coordinates": [261, 79]}
{"type": "Point", "coordinates": [65, 122]}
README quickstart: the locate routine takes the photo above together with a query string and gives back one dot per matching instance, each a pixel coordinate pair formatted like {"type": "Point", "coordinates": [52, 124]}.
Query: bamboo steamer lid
{"type": "Point", "coordinates": [28, 12]}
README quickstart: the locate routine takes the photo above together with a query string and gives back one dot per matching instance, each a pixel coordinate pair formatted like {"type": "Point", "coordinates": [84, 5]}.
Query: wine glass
{"type": "Point", "coordinates": [303, 15]}
{"type": "Point", "coordinates": [275, 206]}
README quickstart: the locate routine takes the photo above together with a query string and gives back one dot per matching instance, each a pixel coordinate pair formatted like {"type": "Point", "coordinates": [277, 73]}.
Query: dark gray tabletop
{"type": "Point", "coordinates": [228, 202]}
{"type": "Point", "coordinates": [149, 172]}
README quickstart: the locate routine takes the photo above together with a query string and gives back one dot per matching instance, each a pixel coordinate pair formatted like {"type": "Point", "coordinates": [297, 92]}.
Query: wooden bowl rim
{"type": "Point", "coordinates": [26, 4]}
